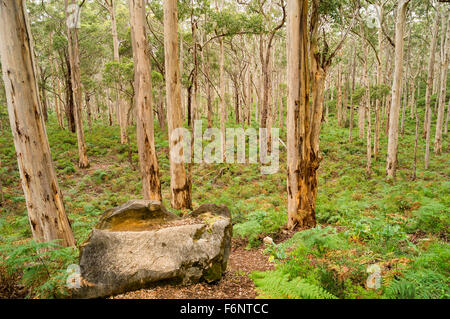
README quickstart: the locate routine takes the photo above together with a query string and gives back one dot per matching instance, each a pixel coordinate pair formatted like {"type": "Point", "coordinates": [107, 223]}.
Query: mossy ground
{"type": "Point", "coordinates": [401, 226]}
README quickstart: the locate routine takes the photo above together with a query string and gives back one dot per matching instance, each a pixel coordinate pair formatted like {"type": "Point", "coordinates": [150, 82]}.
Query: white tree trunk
{"type": "Point", "coordinates": [391, 161]}
{"type": "Point", "coordinates": [151, 185]}
{"type": "Point", "coordinates": [427, 129]}
{"type": "Point", "coordinates": [179, 182]}
{"type": "Point", "coordinates": [43, 197]}
{"type": "Point", "coordinates": [444, 69]}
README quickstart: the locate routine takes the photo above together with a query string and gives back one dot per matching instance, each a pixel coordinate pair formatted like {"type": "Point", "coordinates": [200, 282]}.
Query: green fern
{"type": "Point", "coordinates": [275, 284]}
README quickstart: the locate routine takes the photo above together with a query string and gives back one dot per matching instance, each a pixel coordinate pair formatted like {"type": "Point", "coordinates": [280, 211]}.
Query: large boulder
{"type": "Point", "coordinates": [141, 243]}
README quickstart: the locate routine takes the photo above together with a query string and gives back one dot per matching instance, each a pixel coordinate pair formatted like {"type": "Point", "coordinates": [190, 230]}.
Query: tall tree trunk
{"type": "Point", "coordinates": [161, 113]}
{"type": "Point", "coordinates": [183, 99]}
{"type": "Point", "coordinates": [74, 58]}
{"type": "Point", "coordinates": [69, 107]}
{"type": "Point", "coordinates": [427, 129]}
{"type": "Point", "coordinates": [446, 119]}
{"type": "Point", "coordinates": [151, 185]}
{"type": "Point", "coordinates": [391, 161]}
{"type": "Point", "coordinates": [194, 105]}
{"type": "Point", "coordinates": [87, 101]}
{"type": "Point", "coordinates": [376, 139]}
{"type": "Point", "coordinates": [302, 159]}
{"type": "Point", "coordinates": [414, 175]}
{"type": "Point", "coordinates": [43, 197]}
{"type": "Point", "coordinates": [44, 98]}
{"type": "Point", "coordinates": [222, 90]}
{"type": "Point", "coordinates": [208, 88]}
{"type": "Point", "coordinates": [350, 127]}
{"type": "Point", "coordinates": [56, 87]}
{"type": "Point", "coordinates": [179, 182]}
{"type": "Point", "coordinates": [443, 85]}
{"type": "Point", "coordinates": [339, 95]}
{"type": "Point", "coordinates": [121, 105]}
{"type": "Point", "coordinates": [249, 96]}
{"type": "Point", "coordinates": [110, 106]}
{"type": "Point", "coordinates": [405, 84]}
{"type": "Point", "coordinates": [366, 107]}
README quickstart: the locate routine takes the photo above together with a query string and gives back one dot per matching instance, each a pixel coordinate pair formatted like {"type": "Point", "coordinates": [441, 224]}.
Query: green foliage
{"type": "Point", "coordinates": [258, 224]}
{"type": "Point", "coordinates": [42, 266]}
{"type": "Point", "coordinates": [432, 217]}
{"type": "Point", "coordinates": [275, 284]}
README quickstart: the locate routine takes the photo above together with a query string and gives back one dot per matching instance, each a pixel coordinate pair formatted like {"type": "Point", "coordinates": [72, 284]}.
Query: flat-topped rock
{"type": "Point", "coordinates": [141, 243]}
{"type": "Point", "coordinates": [136, 215]}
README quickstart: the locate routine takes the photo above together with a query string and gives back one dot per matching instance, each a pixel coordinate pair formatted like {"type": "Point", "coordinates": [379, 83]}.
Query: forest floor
{"type": "Point", "coordinates": [401, 227]}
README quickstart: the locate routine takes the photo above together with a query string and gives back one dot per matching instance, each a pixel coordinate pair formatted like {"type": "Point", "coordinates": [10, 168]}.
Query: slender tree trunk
{"type": "Point", "coordinates": [366, 106]}
{"type": "Point", "coordinates": [183, 99]}
{"type": "Point", "coordinates": [208, 88]}
{"type": "Point", "coordinates": [376, 140]}
{"type": "Point", "coordinates": [179, 182]}
{"type": "Point", "coordinates": [446, 119]}
{"type": "Point", "coordinates": [69, 105]}
{"type": "Point", "coordinates": [110, 107]}
{"type": "Point", "coordinates": [414, 175]}
{"type": "Point", "coordinates": [74, 58]}
{"type": "Point", "coordinates": [222, 90]}
{"type": "Point", "coordinates": [151, 185]}
{"type": "Point", "coordinates": [44, 97]}
{"type": "Point", "coordinates": [87, 100]}
{"type": "Point", "coordinates": [121, 105]}
{"type": "Point", "coordinates": [339, 95]}
{"type": "Point", "coordinates": [443, 85]}
{"type": "Point", "coordinates": [56, 87]}
{"type": "Point", "coordinates": [427, 129]}
{"type": "Point", "coordinates": [161, 112]}
{"type": "Point", "coordinates": [391, 161]}
{"type": "Point", "coordinates": [43, 197]}
{"type": "Point", "coordinates": [405, 84]}
{"type": "Point", "coordinates": [195, 106]}
{"type": "Point", "coordinates": [350, 127]}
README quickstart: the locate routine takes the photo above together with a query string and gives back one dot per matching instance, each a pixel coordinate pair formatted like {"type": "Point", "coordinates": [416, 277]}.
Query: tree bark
{"type": "Point", "coordinates": [56, 87]}
{"type": "Point", "coordinates": [222, 90]}
{"type": "Point", "coordinates": [74, 58]}
{"type": "Point", "coordinates": [366, 107]}
{"type": "Point", "coordinates": [350, 127]}
{"type": "Point", "coordinates": [46, 213]}
{"type": "Point", "coordinates": [443, 85]}
{"type": "Point", "coordinates": [151, 185]}
{"type": "Point", "coordinates": [339, 95]}
{"type": "Point", "coordinates": [87, 101]}
{"type": "Point", "coordinates": [376, 140]}
{"type": "Point", "coordinates": [391, 161]}
{"type": "Point", "coordinates": [179, 182]}
{"type": "Point", "coordinates": [302, 160]}
{"type": "Point", "coordinates": [427, 128]}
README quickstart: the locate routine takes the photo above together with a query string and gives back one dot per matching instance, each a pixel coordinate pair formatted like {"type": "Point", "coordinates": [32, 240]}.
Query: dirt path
{"type": "Point", "coordinates": [234, 284]}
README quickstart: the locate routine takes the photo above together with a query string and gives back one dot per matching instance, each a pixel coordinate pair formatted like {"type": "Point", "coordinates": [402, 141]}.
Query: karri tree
{"type": "Point", "coordinates": [179, 182]}
{"type": "Point", "coordinates": [151, 184]}
{"type": "Point", "coordinates": [46, 213]}
{"type": "Point", "coordinates": [391, 161]}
